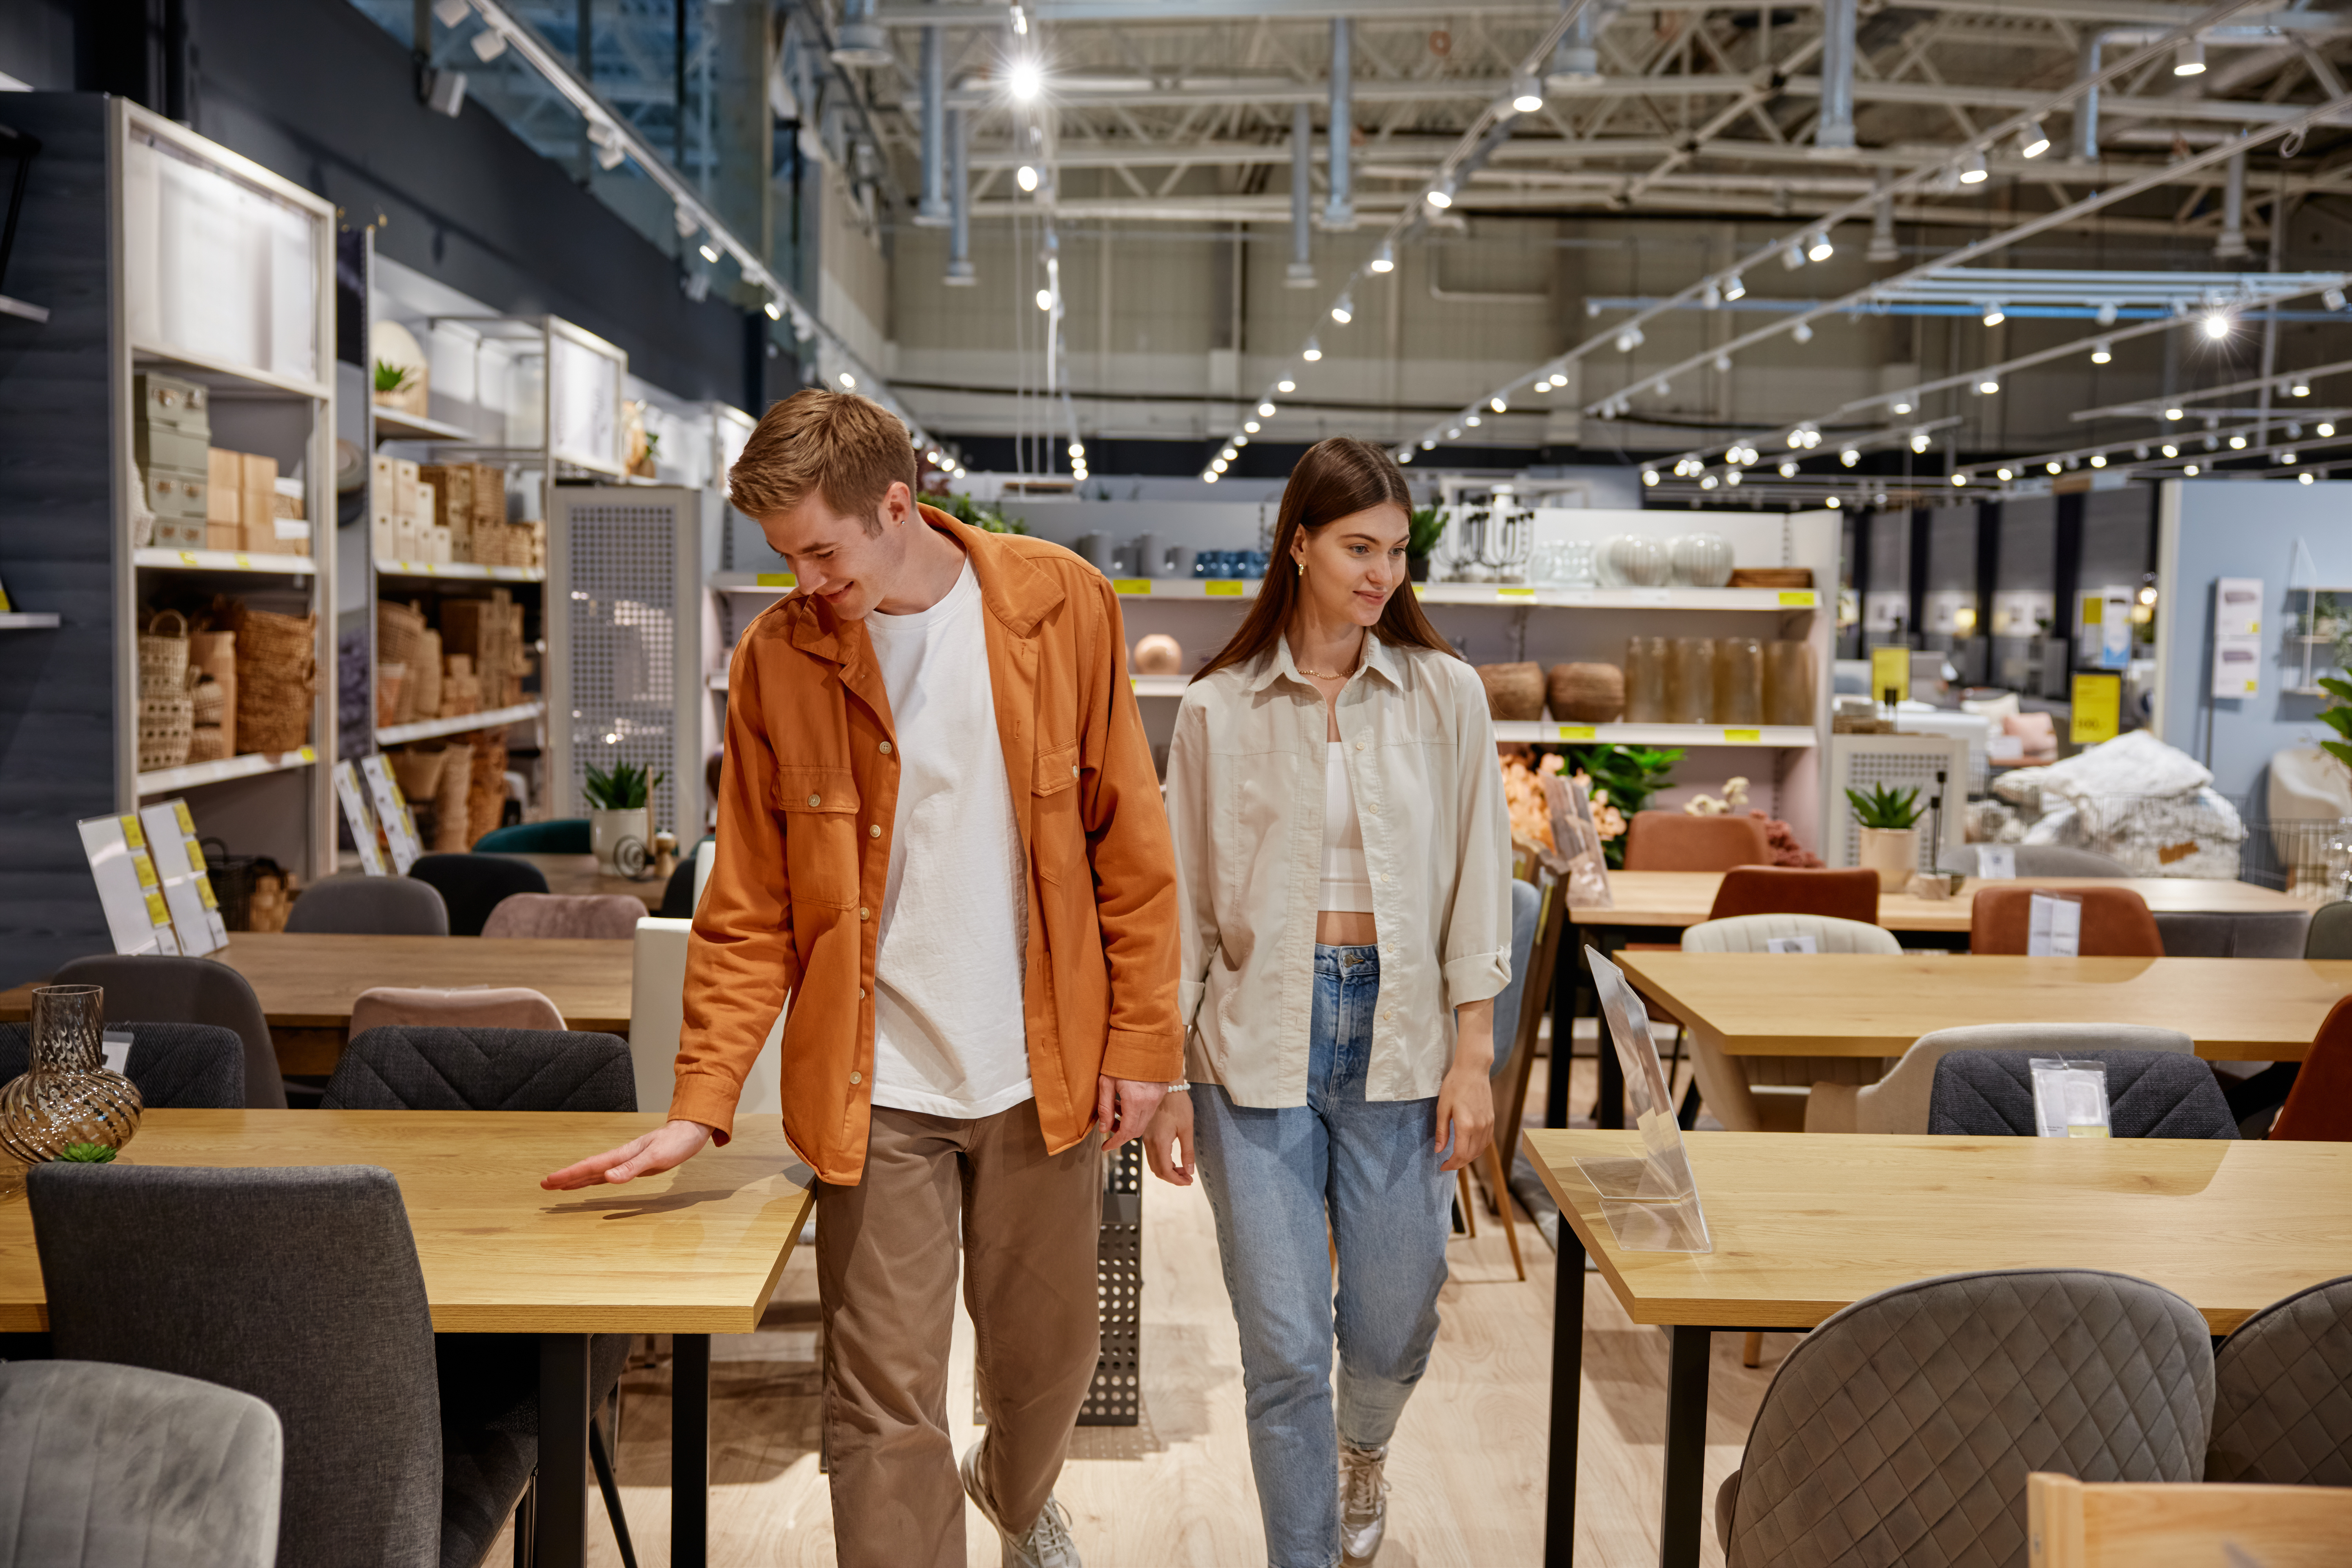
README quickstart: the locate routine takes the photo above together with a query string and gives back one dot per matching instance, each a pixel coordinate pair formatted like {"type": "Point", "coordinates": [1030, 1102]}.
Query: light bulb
{"type": "Point", "coordinates": [2217, 324]}
{"type": "Point", "coordinates": [1265, 410]}
{"type": "Point", "coordinates": [1314, 351]}
{"type": "Point", "coordinates": [1025, 80]}
{"type": "Point", "coordinates": [2100, 352]}
{"type": "Point", "coordinates": [2190, 470]}
{"type": "Point", "coordinates": [1026, 177]}
{"type": "Point", "coordinates": [1972, 168]}
{"type": "Point", "coordinates": [1733, 288]}
{"type": "Point", "coordinates": [1250, 425]}
{"type": "Point", "coordinates": [1344, 311]}
{"type": "Point", "coordinates": [2169, 450]}
{"type": "Point", "coordinates": [1994, 316]}
{"type": "Point", "coordinates": [1649, 476]}
{"type": "Point", "coordinates": [2098, 460]}
{"type": "Point", "coordinates": [1821, 250]}
{"type": "Point", "coordinates": [1384, 258]}
{"type": "Point", "coordinates": [2189, 58]}
{"type": "Point", "coordinates": [2032, 142]}
{"type": "Point", "coordinates": [848, 382]}
{"type": "Point", "coordinates": [1850, 457]}
{"type": "Point", "coordinates": [1044, 299]}
{"type": "Point", "coordinates": [709, 252]}
{"type": "Point", "coordinates": [2004, 475]}
{"type": "Point", "coordinates": [2305, 477]}
{"type": "Point", "coordinates": [1498, 406]}
{"type": "Point", "coordinates": [1987, 388]}
{"type": "Point", "coordinates": [1286, 384]}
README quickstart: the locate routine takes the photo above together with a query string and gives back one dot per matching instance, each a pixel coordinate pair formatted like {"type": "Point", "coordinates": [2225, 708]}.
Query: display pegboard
{"type": "Point", "coordinates": [1900, 762]}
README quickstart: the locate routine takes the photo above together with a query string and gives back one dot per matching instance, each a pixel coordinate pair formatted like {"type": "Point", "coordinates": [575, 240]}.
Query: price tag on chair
{"type": "Point", "coordinates": [1790, 944]}
{"type": "Point", "coordinates": [1997, 862]}
{"type": "Point", "coordinates": [2054, 927]}
{"type": "Point", "coordinates": [114, 1047]}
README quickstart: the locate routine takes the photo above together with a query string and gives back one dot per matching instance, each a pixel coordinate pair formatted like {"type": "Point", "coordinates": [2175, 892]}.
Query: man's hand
{"type": "Point", "coordinates": [1123, 1109]}
{"type": "Point", "coordinates": [1168, 1141]}
{"type": "Point", "coordinates": [670, 1144]}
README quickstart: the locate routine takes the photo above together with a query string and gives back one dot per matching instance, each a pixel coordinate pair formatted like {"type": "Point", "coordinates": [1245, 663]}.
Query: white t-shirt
{"type": "Point", "coordinates": [949, 1038]}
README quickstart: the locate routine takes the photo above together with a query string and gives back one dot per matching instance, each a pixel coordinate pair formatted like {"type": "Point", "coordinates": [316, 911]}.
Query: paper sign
{"type": "Point", "coordinates": [1790, 944]}
{"type": "Point", "coordinates": [114, 1049]}
{"type": "Point", "coordinates": [1996, 862]}
{"type": "Point", "coordinates": [2237, 637]}
{"type": "Point", "coordinates": [2054, 927]}
{"type": "Point", "coordinates": [353, 796]}
{"type": "Point", "coordinates": [391, 811]}
{"type": "Point", "coordinates": [187, 888]}
{"type": "Point", "coordinates": [1890, 670]}
{"type": "Point", "coordinates": [2070, 1099]}
{"type": "Point", "coordinates": [2098, 708]}
{"type": "Point", "coordinates": [136, 920]}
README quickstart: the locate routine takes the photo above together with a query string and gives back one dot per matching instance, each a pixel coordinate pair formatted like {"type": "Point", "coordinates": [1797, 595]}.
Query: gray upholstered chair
{"type": "Point", "coordinates": [2043, 860]}
{"type": "Point", "coordinates": [370, 906]}
{"type": "Point", "coordinates": [1730, 1085]}
{"type": "Point", "coordinates": [2205, 933]}
{"type": "Point", "coordinates": [152, 988]}
{"type": "Point", "coordinates": [121, 1467]}
{"type": "Point", "coordinates": [2282, 1393]}
{"type": "Point", "coordinates": [1902, 1429]}
{"type": "Point", "coordinates": [2150, 1094]}
{"type": "Point", "coordinates": [174, 1065]}
{"type": "Point", "coordinates": [2330, 936]}
{"type": "Point", "coordinates": [1898, 1102]}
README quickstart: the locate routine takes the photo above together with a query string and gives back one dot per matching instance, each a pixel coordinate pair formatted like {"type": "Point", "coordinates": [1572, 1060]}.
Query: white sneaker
{"type": "Point", "coordinates": [1048, 1542]}
{"type": "Point", "coordinates": [1363, 1504]}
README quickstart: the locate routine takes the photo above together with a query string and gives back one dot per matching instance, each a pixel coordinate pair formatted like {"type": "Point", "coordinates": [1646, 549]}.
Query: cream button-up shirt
{"type": "Point", "coordinates": [1245, 789]}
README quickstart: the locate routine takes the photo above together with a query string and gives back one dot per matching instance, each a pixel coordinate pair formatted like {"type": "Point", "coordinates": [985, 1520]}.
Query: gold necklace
{"type": "Point", "coordinates": [1334, 674]}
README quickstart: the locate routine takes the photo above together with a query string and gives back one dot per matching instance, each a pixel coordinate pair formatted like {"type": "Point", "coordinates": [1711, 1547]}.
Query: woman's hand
{"type": "Point", "coordinates": [1466, 1102]}
{"type": "Point", "coordinates": [1168, 1141]}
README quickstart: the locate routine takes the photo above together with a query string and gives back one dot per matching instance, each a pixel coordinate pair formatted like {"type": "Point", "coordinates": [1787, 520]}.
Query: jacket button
{"type": "Point", "coordinates": [815, 801]}
{"type": "Point", "coordinates": [856, 1079]}
{"type": "Point", "coordinates": [1074, 770]}
{"type": "Point", "coordinates": [885, 748]}
{"type": "Point", "coordinates": [874, 830]}
{"type": "Point", "coordinates": [861, 994]}
{"type": "Point", "coordinates": [861, 911]}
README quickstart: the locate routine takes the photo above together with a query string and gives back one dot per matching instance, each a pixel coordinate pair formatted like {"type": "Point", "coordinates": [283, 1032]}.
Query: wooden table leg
{"type": "Point", "coordinates": [689, 1451]}
{"type": "Point", "coordinates": [1566, 1398]}
{"type": "Point", "coordinates": [1682, 1515]}
{"type": "Point", "coordinates": [561, 1534]}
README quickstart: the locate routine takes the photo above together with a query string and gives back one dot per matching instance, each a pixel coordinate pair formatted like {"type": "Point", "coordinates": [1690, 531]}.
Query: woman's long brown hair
{"type": "Point", "coordinates": [1335, 478]}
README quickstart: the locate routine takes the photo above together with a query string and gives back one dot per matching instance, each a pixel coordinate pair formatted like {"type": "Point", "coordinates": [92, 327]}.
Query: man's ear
{"type": "Point", "coordinates": [898, 502]}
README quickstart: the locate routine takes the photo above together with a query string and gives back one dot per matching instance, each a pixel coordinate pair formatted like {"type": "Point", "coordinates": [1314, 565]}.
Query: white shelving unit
{"type": "Point", "coordinates": [263, 564]}
{"type": "Point", "coordinates": [28, 620]}
{"type": "Point", "coordinates": [459, 724]}
{"type": "Point", "coordinates": [244, 766]}
{"type": "Point", "coordinates": [458, 571]}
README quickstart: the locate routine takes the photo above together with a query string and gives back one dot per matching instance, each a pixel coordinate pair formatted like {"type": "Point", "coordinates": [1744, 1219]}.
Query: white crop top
{"type": "Point", "coordinates": [1347, 879]}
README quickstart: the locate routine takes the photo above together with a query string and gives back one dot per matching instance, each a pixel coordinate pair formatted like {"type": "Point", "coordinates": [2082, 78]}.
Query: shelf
{"type": "Point", "coordinates": [752, 581]}
{"type": "Point", "coordinates": [250, 765]}
{"type": "Point", "coordinates": [1507, 595]}
{"type": "Point", "coordinates": [224, 561]}
{"type": "Point", "coordinates": [1159, 685]}
{"type": "Point", "coordinates": [1785, 736]}
{"type": "Point", "coordinates": [155, 353]}
{"type": "Point", "coordinates": [391, 425]}
{"type": "Point", "coordinates": [25, 308]}
{"type": "Point", "coordinates": [465, 570]}
{"type": "Point", "coordinates": [28, 620]}
{"type": "Point", "coordinates": [459, 724]}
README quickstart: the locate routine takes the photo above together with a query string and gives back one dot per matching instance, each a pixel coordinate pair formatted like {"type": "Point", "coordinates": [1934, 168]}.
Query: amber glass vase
{"type": "Point", "coordinates": [68, 1095]}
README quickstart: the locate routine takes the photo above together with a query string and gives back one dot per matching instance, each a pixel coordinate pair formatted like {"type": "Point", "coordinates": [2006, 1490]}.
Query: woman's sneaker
{"type": "Point", "coordinates": [1363, 1503]}
{"type": "Point", "coordinates": [1048, 1542]}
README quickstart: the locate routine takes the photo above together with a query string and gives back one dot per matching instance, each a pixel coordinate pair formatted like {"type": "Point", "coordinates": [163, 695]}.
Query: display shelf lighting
{"type": "Point", "coordinates": [1384, 258]}
{"type": "Point", "coordinates": [1498, 406]}
{"type": "Point", "coordinates": [1250, 425]}
{"type": "Point", "coordinates": [1343, 310]}
{"type": "Point", "coordinates": [1994, 315]}
{"type": "Point", "coordinates": [1988, 386]}
{"type": "Point", "coordinates": [1440, 196]}
{"type": "Point", "coordinates": [1527, 94]}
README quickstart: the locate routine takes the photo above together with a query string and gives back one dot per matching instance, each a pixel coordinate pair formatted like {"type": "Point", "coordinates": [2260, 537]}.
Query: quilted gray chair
{"type": "Point", "coordinates": [1898, 1102]}
{"type": "Point", "coordinates": [400, 1066]}
{"type": "Point", "coordinates": [2043, 860]}
{"type": "Point", "coordinates": [174, 1065]}
{"type": "Point", "coordinates": [2282, 1393]}
{"type": "Point", "coordinates": [2276, 933]}
{"type": "Point", "coordinates": [154, 988]}
{"type": "Point", "coordinates": [118, 1467]}
{"type": "Point", "coordinates": [2331, 933]}
{"type": "Point", "coordinates": [2150, 1094]}
{"type": "Point", "coordinates": [1902, 1430]}
{"type": "Point", "coordinates": [370, 906]}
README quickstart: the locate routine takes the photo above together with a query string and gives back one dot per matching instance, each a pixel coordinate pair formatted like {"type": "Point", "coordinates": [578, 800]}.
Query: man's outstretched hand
{"type": "Point", "coordinates": [668, 1145]}
{"type": "Point", "coordinates": [1123, 1109]}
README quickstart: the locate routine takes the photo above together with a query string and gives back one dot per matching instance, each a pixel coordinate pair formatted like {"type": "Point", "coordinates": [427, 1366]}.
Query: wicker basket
{"type": "Point", "coordinates": [209, 744]}
{"type": "Point", "coordinates": [1586, 693]}
{"type": "Point", "coordinates": [277, 680]}
{"type": "Point", "coordinates": [163, 655]}
{"type": "Point", "coordinates": [419, 770]}
{"type": "Point", "coordinates": [391, 686]}
{"type": "Point", "coordinates": [424, 679]}
{"type": "Point", "coordinates": [211, 700]}
{"type": "Point", "coordinates": [1514, 691]}
{"type": "Point", "coordinates": [167, 724]}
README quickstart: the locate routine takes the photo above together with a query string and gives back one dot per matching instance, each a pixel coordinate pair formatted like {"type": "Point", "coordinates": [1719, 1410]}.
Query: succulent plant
{"type": "Point", "coordinates": [87, 1153]}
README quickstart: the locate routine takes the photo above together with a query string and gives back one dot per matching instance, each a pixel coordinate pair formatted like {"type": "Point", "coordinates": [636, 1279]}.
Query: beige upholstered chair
{"type": "Point", "coordinates": [612, 916]}
{"type": "Point", "coordinates": [1768, 1094]}
{"type": "Point", "coordinates": [1898, 1102]}
{"type": "Point", "coordinates": [489, 1007]}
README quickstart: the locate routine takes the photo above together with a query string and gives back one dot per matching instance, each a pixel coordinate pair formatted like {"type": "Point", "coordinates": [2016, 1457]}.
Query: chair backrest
{"type": "Point", "coordinates": [2330, 936]}
{"type": "Point", "coordinates": [298, 1286]}
{"type": "Point", "coordinates": [1677, 841]}
{"type": "Point", "coordinates": [474, 885]}
{"type": "Point", "coordinates": [2150, 1094]}
{"type": "Point", "coordinates": [561, 836]}
{"type": "Point", "coordinates": [2210, 933]}
{"type": "Point", "coordinates": [1527, 907]}
{"type": "Point", "coordinates": [1902, 1429]}
{"type": "Point", "coordinates": [2122, 1524]}
{"type": "Point", "coordinates": [2319, 1108]}
{"type": "Point", "coordinates": [174, 1067]}
{"type": "Point", "coordinates": [1514, 1049]}
{"type": "Point", "coordinates": [400, 1068]}
{"type": "Point", "coordinates": [103, 1466]}
{"type": "Point", "coordinates": [1898, 1102]}
{"type": "Point", "coordinates": [1850, 895]}
{"type": "Point", "coordinates": [706, 855]}
{"type": "Point", "coordinates": [1754, 933]}
{"type": "Point", "coordinates": [611, 916]}
{"type": "Point", "coordinates": [2116, 922]}
{"type": "Point", "coordinates": [2042, 860]}
{"type": "Point", "coordinates": [678, 893]}
{"type": "Point", "coordinates": [2282, 1393]}
{"type": "Point", "coordinates": [152, 988]}
{"type": "Point", "coordinates": [493, 1007]}
{"type": "Point", "coordinates": [658, 1012]}
{"type": "Point", "coordinates": [370, 906]}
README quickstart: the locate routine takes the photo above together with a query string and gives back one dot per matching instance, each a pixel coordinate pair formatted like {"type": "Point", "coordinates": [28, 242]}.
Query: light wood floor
{"type": "Point", "coordinates": [1467, 1465]}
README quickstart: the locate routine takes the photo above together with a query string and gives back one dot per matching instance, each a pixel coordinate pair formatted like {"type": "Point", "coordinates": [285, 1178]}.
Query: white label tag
{"type": "Point", "coordinates": [1997, 862]}
{"type": "Point", "coordinates": [1790, 944]}
{"type": "Point", "coordinates": [114, 1046]}
{"type": "Point", "coordinates": [2055, 928]}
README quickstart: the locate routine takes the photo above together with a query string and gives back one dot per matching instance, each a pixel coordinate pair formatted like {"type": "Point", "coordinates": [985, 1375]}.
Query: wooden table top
{"type": "Point", "coordinates": [310, 980]}
{"type": "Point", "coordinates": [1804, 1225]}
{"type": "Point", "coordinates": [1677, 899]}
{"type": "Point", "coordinates": [693, 1251]}
{"type": "Point", "coordinates": [1869, 1004]}
{"type": "Point", "coordinates": [578, 874]}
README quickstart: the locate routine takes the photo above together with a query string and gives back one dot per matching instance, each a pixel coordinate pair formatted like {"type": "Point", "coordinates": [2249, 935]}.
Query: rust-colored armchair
{"type": "Point", "coordinates": [1677, 841]}
{"type": "Point", "coordinates": [1790, 890]}
{"type": "Point", "coordinates": [2319, 1108]}
{"type": "Point", "coordinates": [2116, 922]}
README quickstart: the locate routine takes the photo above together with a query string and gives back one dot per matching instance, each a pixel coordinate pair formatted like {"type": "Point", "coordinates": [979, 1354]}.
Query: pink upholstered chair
{"type": "Point", "coordinates": [611, 916]}
{"type": "Point", "coordinates": [501, 1007]}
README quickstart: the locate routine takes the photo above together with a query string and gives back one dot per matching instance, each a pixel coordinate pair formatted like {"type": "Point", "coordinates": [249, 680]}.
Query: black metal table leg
{"type": "Point", "coordinates": [561, 1532]}
{"type": "Point", "coordinates": [1680, 1521]}
{"type": "Point", "coordinates": [1566, 1399]}
{"type": "Point", "coordinates": [689, 1451]}
{"type": "Point", "coordinates": [1566, 996]}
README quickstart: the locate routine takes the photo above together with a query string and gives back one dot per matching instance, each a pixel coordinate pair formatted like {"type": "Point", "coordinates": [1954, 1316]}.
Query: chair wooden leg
{"type": "Point", "coordinates": [1469, 1209]}
{"type": "Point", "coordinates": [1502, 1202]}
{"type": "Point", "coordinates": [1751, 1353]}
{"type": "Point", "coordinates": [601, 1459]}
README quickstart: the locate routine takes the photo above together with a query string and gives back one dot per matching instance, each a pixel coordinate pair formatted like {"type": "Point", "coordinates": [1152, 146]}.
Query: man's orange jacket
{"type": "Point", "coordinates": [806, 803]}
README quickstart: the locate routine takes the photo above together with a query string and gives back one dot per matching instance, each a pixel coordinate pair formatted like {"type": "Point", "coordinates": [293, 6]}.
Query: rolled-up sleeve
{"type": "Point", "coordinates": [1476, 942]}
{"type": "Point", "coordinates": [1188, 823]}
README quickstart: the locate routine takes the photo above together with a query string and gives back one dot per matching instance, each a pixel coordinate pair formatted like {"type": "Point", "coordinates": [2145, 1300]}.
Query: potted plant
{"type": "Point", "coordinates": [1890, 833]}
{"type": "Point", "coordinates": [618, 814]}
{"type": "Point", "coordinates": [390, 380]}
{"type": "Point", "coordinates": [1424, 526]}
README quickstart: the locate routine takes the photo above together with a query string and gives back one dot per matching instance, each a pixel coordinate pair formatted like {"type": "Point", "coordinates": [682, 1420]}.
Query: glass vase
{"type": "Point", "coordinates": [68, 1095]}
{"type": "Point", "coordinates": [1645, 681]}
{"type": "Point", "coordinates": [1690, 680]}
{"type": "Point", "coordinates": [1738, 682]}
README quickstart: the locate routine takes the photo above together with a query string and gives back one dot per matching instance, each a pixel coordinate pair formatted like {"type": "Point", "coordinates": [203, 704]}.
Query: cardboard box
{"type": "Point", "coordinates": [404, 489]}
{"type": "Point", "coordinates": [383, 539]}
{"type": "Point", "coordinates": [223, 471]}
{"type": "Point", "coordinates": [441, 543]}
{"type": "Point", "coordinates": [168, 445]}
{"type": "Point", "coordinates": [453, 503]}
{"type": "Point", "coordinates": [177, 493]}
{"type": "Point", "coordinates": [168, 401]}
{"type": "Point", "coordinates": [289, 500]}
{"type": "Point", "coordinates": [257, 503]}
{"type": "Point", "coordinates": [220, 535]}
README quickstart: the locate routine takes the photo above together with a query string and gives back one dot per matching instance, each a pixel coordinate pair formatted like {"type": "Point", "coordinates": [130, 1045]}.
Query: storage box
{"type": "Point", "coordinates": [404, 489]}
{"type": "Point", "coordinates": [176, 405]}
{"type": "Point", "coordinates": [176, 492]}
{"type": "Point", "coordinates": [453, 503]}
{"type": "Point", "coordinates": [381, 537]}
{"type": "Point", "coordinates": [289, 500]}
{"type": "Point", "coordinates": [168, 446]}
{"type": "Point", "coordinates": [379, 483]}
{"type": "Point", "coordinates": [439, 545]}
{"type": "Point", "coordinates": [220, 535]}
{"type": "Point", "coordinates": [223, 473]}
{"type": "Point", "coordinates": [257, 492]}
{"type": "Point", "coordinates": [183, 534]}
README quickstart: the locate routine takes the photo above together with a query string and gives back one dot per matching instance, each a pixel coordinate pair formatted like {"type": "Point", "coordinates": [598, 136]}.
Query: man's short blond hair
{"type": "Point", "coordinates": [846, 448]}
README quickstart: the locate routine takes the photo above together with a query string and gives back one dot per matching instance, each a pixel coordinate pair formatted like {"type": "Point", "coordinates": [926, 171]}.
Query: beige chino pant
{"type": "Point", "coordinates": [886, 1258]}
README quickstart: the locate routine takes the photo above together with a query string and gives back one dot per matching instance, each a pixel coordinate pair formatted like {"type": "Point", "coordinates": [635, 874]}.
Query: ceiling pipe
{"type": "Point", "coordinates": [931, 211]}
{"type": "Point", "coordinates": [1833, 135]}
{"type": "Point", "coordinates": [2230, 244]}
{"type": "Point", "coordinates": [1881, 222]}
{"type": "Point", "coordinates": [1301, 274]}
{"type": "Point", "coordinates": [958, 137]}
{"type": "Point", "coordinates": [1339, 211]}
{"type": "Point", "coordinates": [1576, 58]}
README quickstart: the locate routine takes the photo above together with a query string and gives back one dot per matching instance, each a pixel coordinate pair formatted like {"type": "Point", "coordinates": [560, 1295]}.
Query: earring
{"type": "Point", "coordinates": [1302, 568]}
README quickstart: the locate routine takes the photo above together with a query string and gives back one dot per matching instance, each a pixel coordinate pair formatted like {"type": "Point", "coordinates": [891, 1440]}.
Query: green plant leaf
{"type": "Point", "coordinates": [391, 377]}
{"type": "Point", "coordinates": [1425, 525]}
{"type": "Point", "coordinates": [2339, 749]}
{"type": "Point", "coordinates": [85, 1154]}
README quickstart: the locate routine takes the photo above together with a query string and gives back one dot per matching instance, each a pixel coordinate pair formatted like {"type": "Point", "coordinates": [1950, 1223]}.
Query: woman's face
{"type": "Point", "coordinates": [1353, 563]}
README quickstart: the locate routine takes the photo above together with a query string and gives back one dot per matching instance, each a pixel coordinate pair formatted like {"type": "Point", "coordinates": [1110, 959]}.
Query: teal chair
{"type": "Point", "coordinates": [565, 836]}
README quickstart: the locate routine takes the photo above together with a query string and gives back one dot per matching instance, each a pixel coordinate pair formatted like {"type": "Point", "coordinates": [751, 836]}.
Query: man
{"type": "Point", "coordinates": [939, 832]}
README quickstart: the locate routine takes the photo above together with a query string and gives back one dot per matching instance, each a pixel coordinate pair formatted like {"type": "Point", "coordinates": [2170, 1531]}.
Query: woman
{"type": "Point", "coordinates": [1343, 859]}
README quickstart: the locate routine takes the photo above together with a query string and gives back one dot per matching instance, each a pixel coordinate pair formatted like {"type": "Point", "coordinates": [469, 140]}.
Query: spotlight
{"type": "Point", "coordinates": [1921, 440]}
{"type": "Point", "coordinates": [2188, 58]}
{"type": "Point", "coordinates": [1044, 299]}
{"type": "Point", "coordinates": [1025, 80]}
{"type": "Point", "coordinates": [2101, 352]}
{"type": "Point", "coordinates": [1732, 477]}
{"type": "Point", "coordinates": [1454, 432]}
{"type": "Point", "coordinates": [709, 252]}
{"type": "Point", "coordinates": [1802, 332]}
{"type": "Point", "coordinates": [2174, 413]}
{"type": "Point", "coordinates": [1472, 421]}
{"type": "Point", "coordinates": [1314, 351]}
{"type": "Point", "coordinates": [2237, 443]}
{"type": "Point", "coordinates": [848, 382]}
{"type": "Point", "coordinates": [1987, 388]}
{"type": "Point", "coordinates": [1733, 288]}
{"type": "Point", "coordinates": [1560, 380]}
{"type": "Point", "coordinates": [2169, 450]}
{"type": "Point", "coordinates": [1960, 479]}
{"type": "Point", "coordinates": [2287, 458]}
{"type": "Point", "coordinates": [2325, 429]}
{"type": "Point", "coordinates": [1218, 464]}
{"type": "Point", "coordinates": [1384, 258]}
{"type": "Point", "coordinates": [2217, 324]}
{"type": "Point", "coordinates": [1660, 387]}
{"type": "Point", "coordinates": [1850, 457]}
{"type": "Point", "coordinates": [1831, 503]}
{"type": "Point", "coordinates": [2108, 313]}
{"type": "Point", "coordinates": [2032, 142]}
{"type": "Point", "coordinates": [775, 311]}
{"type": "Point", "coordinates": [1707, 483]}
{"type": "Point", "coordinates": [1723, 364]}
{"type": "Point", "coordinates": [1710, 297]}
{"type": "Point", "coordinates": [1429, 446]}
{"type": "Point", "coordinates": [1209, 477]}
{"type": "Point", "coordinates": [2004, 475]}
{"type": "Point", "coordinates": [1250, 425]}
{"type": "Point", "coordinates": [2189, 470]}
{"type": "Point", "coordinates": [1241, 441]}
{"type": "Point", "coordinates": [2305, 477]}
{"type": "Point", "coordinates": [1026, 177]}
{"type": "Point", "coordinates": [1286, 385]}
{"type": "Point", "coordinates": [489, 46]}
{"type": "Point", "coordinates": [1794, 256]}
{"type": "Point", "coordinates": [1344, 311]}
{"type": "Point", "coordinates": [2050, 467]}
{"type": "Point", "coordinates": [1972, 168]}
{"type": "Point", "coordinates": [1629, 340]}
{"type": "Point", "coordinates": [1230, 453]}
{"type": "Point", "coordinates": [1265, 410]}
{"type": "Point", "coordinates": [1731, 454]}
{"type": "Point", "coordinates": [1994, 316]}
{"type": "Point", "coordinates": [2098, 460]}
{"type": "Point", "coordinates": [2300, 389]}
{"type": "Point", "coordinates": [1498, 406]}
{"type": "Point", "coordinates": [1649, 476]}
{"type": "Point", "coordinates": [2332, 298]}
{"type": "Point", "coordinates": [1527, 94]}
{"type": "Point", "coordinates": [1788, 470]}
{"type": "Point", "coordinates": [1821, 250]}
{"type": "Point", "coordinates": [2140, 451]}
{"type": "Point", "coordinates": [1440, 197]}
{"type": "Point", "coordinates": [1404, 454]}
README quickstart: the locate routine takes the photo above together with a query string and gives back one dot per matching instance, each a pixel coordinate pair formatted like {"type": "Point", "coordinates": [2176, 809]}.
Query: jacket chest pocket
{"type": "Point", "coordinates": [1055, 835]}
{"type": "Point", "coordinates": [821, 843]}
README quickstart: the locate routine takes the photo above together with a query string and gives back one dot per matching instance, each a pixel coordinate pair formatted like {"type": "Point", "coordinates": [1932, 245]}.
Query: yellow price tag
{"type": "Point", "coordinates": [2098, 708]}
{"type": "Point", "coordinates": [244, 563]}
{"type": "Point", "coordinates": [180, 814]}
{"type": "Point", "coordinates": [132, 835]}
{"type": "Point", "coordinates": [1514, 593]}
{"type": "Point", "coordinates": [1743, 737]}
{"type": "Point", "coordinates": [308, 754]}
{"type": "Point", "coordinates": [1131, 585]}
{"type": "Point", "coordinates": [145, 870]}
{"type": "Point", "coordinates": [195, 857]}
{"type": "Point", "coordinates": [204, 892]}
{"type": "Point", "coordinates": [1579, 732]}
{"type": "Point", "coordinates": [156, 913]}
{"type": "Point", "coordinates": [777, 580]}
{"type": "Point", "coordinates": [1890, 671]}
{"type": "Point", "coordinates": [187, 558]}
{"type": "Point", "coordinates": [429, 570]}
{"type": "Point", "coordinates": [1221, 588]}
{"type": "Point", "coordinates": [1799, 599]}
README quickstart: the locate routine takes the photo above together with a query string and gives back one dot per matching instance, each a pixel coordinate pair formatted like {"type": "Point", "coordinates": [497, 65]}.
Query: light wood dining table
{"type": "Point", "coordinates": [692, 1252]}
{"type": "Point", "coordinates": [1869, 1004]}
{"type": "Point", "coordinates": [1802, 1227]}
{"type": "Point", "coordinates": [1676, 899]}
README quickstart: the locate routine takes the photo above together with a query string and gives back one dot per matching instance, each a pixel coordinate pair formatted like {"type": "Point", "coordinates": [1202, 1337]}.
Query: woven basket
{"type": "Point", "coordinates": [391, 686]}
{"type": "Point", "coordinates": [167, 724]}
{"type": "Point", "coordinates": [424, 701]}
{"type": "Point", "coordinates": [1514, 691]}
{"type": "Point", "coordinates": [419, 770]}
{"type": "Point", "coordinates": [1586, 693]}
{"type": "Point", "coordinates": [277, 680]}
{"type": "Point", "coordinates": [211, 700]}
{"type": "Point", "coordinates": [209, 744]}
{"type": "Point", "coordinates": [399, 633]}
{"type": "Point", "coordinates": [163, 655]}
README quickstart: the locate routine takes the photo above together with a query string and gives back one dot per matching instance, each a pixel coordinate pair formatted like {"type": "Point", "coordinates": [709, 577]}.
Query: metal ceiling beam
{"type": "Point", "coordinates": [1128, 14]}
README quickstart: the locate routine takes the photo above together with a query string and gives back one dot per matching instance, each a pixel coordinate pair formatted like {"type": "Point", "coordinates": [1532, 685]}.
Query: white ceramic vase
{"type": "Point", "coordinates": [1893, 853]}
{"type": "Point", "coordinates": [1637, 562]}
{"type": "Point", "coordinates": [1702, 560]}
{"type": "Point", "coordinates": [608, 829]}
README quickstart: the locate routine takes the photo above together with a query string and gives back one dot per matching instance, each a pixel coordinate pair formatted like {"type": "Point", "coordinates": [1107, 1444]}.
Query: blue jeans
{"type": "Point", "coordinates": [1275, 1178]}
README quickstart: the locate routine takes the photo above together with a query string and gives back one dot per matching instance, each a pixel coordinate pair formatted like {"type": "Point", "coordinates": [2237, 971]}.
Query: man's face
{"type": "Point", "coordinates": [836, 558]}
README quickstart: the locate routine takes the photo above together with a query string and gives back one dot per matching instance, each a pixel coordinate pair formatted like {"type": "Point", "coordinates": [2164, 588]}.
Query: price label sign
{"type": "Point", "coordinates": [391, 810]}
{"type": "Point", "coordinates": [186, 888]}
{"type": "Point", "coordinates": [1890, 674]}
{"type": "Point", "coordinates": [136, 916]}
{"type": "Point", "coordinates": [2098, 708]}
